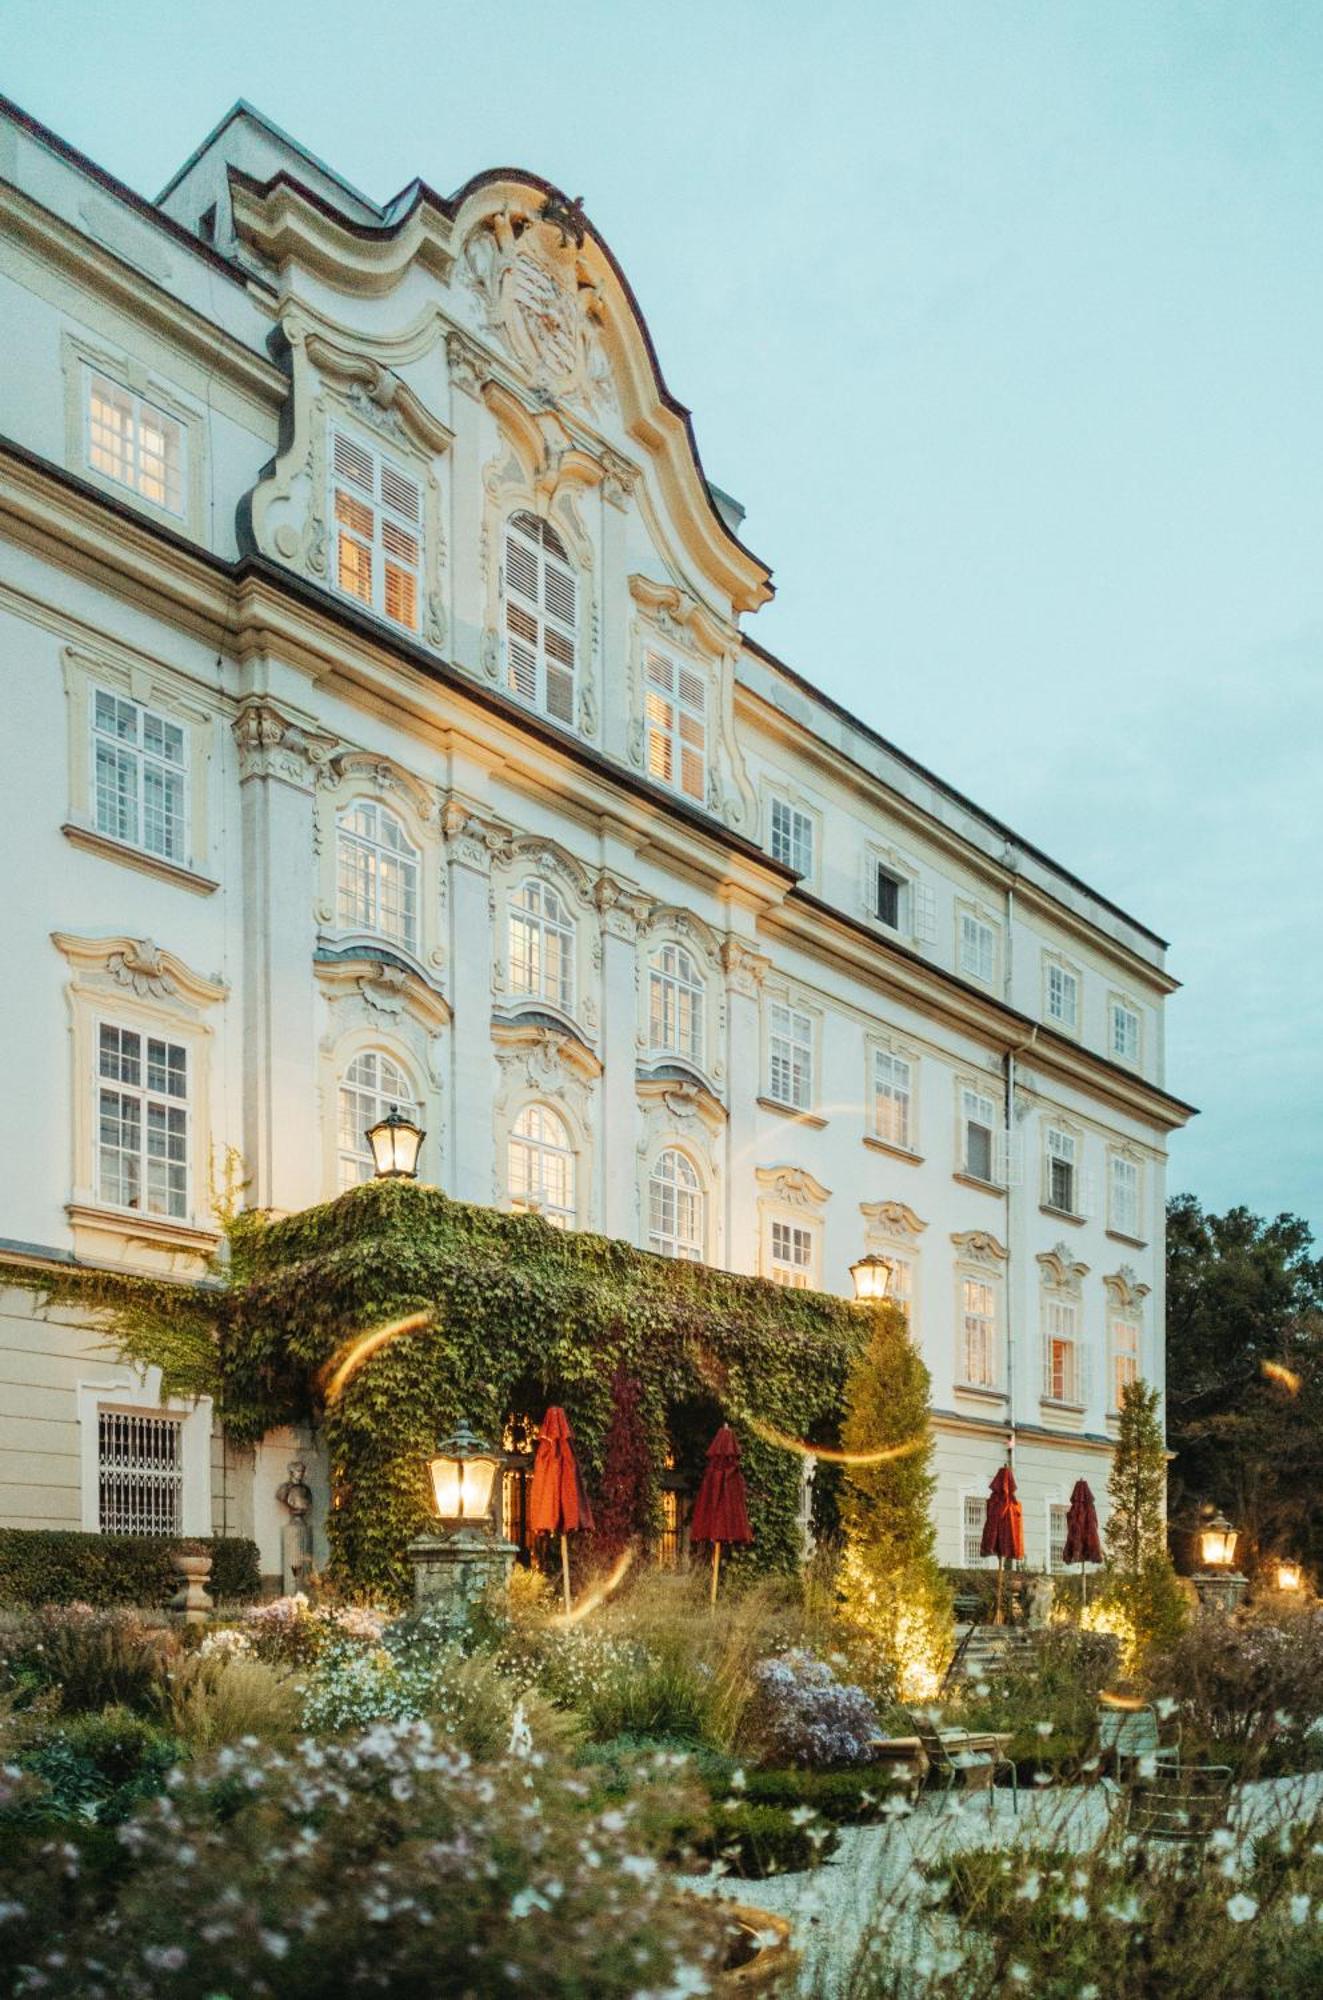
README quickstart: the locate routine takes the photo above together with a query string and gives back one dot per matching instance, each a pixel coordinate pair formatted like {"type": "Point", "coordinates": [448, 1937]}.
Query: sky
{"type": "Point", "coordinates": [1004, 321]}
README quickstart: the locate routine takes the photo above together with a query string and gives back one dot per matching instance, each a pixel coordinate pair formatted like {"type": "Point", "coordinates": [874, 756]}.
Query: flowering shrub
{"type": "Point", "coordinates": [98, 1767]}
{"type": "Point", "coordinates": [292, 1631]}
{"type": "Point", "coordinates": [801, 1713]}
{"type": "Point", "coordinates": [390, 1863]}
{"type": "Point", "coordinates": [87, 1658]}
{"type": "Point", "coordinates": [1250, 1684]}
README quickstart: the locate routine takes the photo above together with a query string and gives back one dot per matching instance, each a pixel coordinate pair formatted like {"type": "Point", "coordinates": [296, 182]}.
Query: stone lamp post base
{"type": "Point", "coordinates": [453, 1572]}
{"type": "Point", "coordinates": [1220, 1591]}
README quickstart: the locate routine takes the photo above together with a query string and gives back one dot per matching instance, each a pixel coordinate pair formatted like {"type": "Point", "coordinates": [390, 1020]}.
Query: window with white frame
{"type": "Point", "coordinates": [142, 1121]}
{"type": "Point", "coordinates": [676, 993]}
{"type": "Point", "coordinates": [1058, 1516]}
{"type": "Point", "coordinates": [893, 1098]}
{"type": "Point", "coordinates": [978, 1127]}
{"type": "Point", "coordinates": [372, 1085]}
{"type": "Point", "coordinates": [1125, 1356]}
{"type": "Point", "coordinates": [790, 1254]}
{"type": "Point", "coordinates": [973, 1513]}
{"type": "Point", "coordinates": [675, 709]}
{"type": "Point", "coordinates": [139, 775]}
{"type": "Point", "coordinates": [1061, 1166]}
{"type": "Point", "coordinates": [1063, 1375]}
{"type": "Point", "coordinates": [378, 530]}
{"type": "Point", "coordinates": [540, 936]}
{"type": "Point", "coordinates": [540, 1165]}
{"type": "Point", "coordinates": [1123, 1196]}
{"type": "Point", "coordinates": [978, 948]}
{"type": "Point", "coordinates": [134, 443]}
{"type": "Point", "coordinates": [541, 613]}
{"type": "Point", "coordinates": [791, 836]}
{"type": "Point", "coordinates": [789, 1056]}
{"type": "Point", "coordinates": [891, 898]}
{"type": "Point", "coordinates": [979, 1362]}
{"type": "Point", "coordinates": [1063, 996]}
{"type": "Point", "coordinates": [377, 869]}
{"type": "Point", "coordinates": [140, 1473]}
{"type": "Point", "coordinates": [900, 1288]}
{"type": "Point", "coordinates": [675, 1207]}
{"type": "Point", "coordinates": [1124, 1032]}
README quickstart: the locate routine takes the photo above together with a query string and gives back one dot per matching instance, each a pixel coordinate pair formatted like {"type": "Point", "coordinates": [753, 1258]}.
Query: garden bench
{"type": "Point", "coordinates": [1185, 1802]}
{"type": "Point", "coordinates": [1126, 1736]}
{"type": "Point", "coordinates": [966, 1757]}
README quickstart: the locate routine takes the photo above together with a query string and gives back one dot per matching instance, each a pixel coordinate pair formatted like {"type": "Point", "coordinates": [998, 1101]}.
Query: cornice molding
{"type": "Point", "coordinates": [895, 1220]}
{"type": "Point", "coordinates": [514, 1036]}
{"type": "Point", "coordinates": [976, 1246]}
{"type": "Point", "coordinates": [1061, 1270]}
{"type": "Point", "coordinates": [795, 1186]}
{"type": "Point", "coordinates": [388, 988]}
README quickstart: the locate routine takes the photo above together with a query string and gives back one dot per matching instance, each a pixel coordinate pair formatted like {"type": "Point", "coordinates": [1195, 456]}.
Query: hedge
{"type": "Point", "coordinates": [759, 1840]}
{"type": "Point", "coordinates": [59, 1566]}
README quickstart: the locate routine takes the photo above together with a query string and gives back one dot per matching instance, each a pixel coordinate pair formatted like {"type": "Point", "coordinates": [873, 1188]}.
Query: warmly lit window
{"type": "Point", "coordinates": [541, 941]}
{"type": "Point", "coordinates": [540, 629]}
{"type": "Point", "coordinates": [1125, 1032]}
{"type": "Point", "coordinates": [140, 777]}
{"type": "Point", "coordinates": [140, 1473]}
{"type": "Point", "coordinates": [1124, 1196]}
{"type": "Point", "coordinates": [1063, 996]}
{"type": "Point", "coordinates": [378, 534]}
{"type": "Point", "coordinates": [676, 710]}
{"type": "Point", "coordinates": [1058, 1514]}
{"type": "Point", "coordinates": [791, 1255]}
{"type": "Point", "coordinates": [790, 1057]}
{"type": "Point", "coordinates": [142, 1122]}
{"type": "Point", "coordinates": [1062, 1373]}
{"type": "Point", "coordinates": [1060, 1191]}
{"type": "Point", "coordinates": [893, 1095]}
{"type": "Point", "coordinates": [792, 837]}
{"type": "Point", "coordinates": [978, 1119]}
{"type": "Point", "coordinates": [1125, 1357]}
{"type": "Point", "coordinates": [540, 1165]}
{"type": "Point", "coordinates": [132, 442]}
{"type": "Point", "coordinates": [377, 874]}
{"type": "Point", "coordinates": [373, 1085]}
{"type": "Point", "coordinates": [978, 944]}
{"type": "Point", "coordinates": [973, 1513]}
{"type": "Point", "coordinates": [900, 1288]}
{"type": "Point", "coordinates": [675, 1004]}
{"type": "Point", "coordinates": [978, 1334]}
{"type": "Point", "coordinates": [675, 1208]}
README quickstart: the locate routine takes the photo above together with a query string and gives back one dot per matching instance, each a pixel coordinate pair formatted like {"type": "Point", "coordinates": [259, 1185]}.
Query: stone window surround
{"type": "Point", "coordinates": [139, 1390]}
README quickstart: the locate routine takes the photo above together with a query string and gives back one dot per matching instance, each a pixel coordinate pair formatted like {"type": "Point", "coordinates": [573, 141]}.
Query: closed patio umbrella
{"type": "Point", "coordinates": [721, 1511]}
{"type": "Point", "coordinates": [1083, 1543]}
{"type": "Point", "coordinates": [557, 1503]}
{"type": "Point", "coordinates": [1003, 1528]}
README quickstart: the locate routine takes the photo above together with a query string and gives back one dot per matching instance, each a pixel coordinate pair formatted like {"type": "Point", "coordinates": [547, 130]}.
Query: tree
{"type": "Point", "coordinates": [1140, 1582]}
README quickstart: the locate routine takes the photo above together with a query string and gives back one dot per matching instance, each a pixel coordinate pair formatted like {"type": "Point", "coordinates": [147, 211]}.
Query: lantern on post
{"type": "Point", "coordinates": [463, 1473]}
{"type": "Point", "coordinates": [872, 1275]}
{"type": "Point", "coordinates": [1288, 1576]}
{"type": "Point", "coordinates": [1217, 1543]}
{"type": "Point", "coordinates": [396, 1143]}
{"type": "Point", "coordinates": [463, 1555]}
{"type": "Point", "coordinates": [1219, 1584]}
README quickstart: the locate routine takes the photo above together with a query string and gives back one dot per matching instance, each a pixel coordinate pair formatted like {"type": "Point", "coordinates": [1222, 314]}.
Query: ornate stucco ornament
{"type": "Point", "coordinates": [525, 265]}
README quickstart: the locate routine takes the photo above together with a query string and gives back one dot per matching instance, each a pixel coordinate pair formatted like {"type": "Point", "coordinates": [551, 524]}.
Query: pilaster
{"type": "Point", "coordinates": [744, 968]}
{"type": "Point", "coordinates": [469, 843]}
{"type": "Point", "coordinates": [622, 909]}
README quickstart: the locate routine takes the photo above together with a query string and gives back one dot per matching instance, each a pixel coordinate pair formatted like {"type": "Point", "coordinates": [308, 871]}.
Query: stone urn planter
{"type": "Point", "coordinates": [191, 1602]}
{"type": "Point", "coordinates": [760, 1957]}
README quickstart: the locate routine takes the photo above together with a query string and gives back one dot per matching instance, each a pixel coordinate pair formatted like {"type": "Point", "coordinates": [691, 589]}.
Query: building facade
{"type": "Point", "coordinates": [380, 688]}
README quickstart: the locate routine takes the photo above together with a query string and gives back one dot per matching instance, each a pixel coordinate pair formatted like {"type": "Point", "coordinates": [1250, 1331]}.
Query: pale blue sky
{"type": "Point", "coordinates": [1004, 321]}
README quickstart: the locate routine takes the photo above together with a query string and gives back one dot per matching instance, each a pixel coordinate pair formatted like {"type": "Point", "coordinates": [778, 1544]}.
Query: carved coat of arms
{"type": "Point", "coordinates": [538, 297]}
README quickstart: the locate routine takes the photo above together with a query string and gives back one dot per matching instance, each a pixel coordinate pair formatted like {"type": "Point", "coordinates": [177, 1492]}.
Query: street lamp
{"type": "Point", "coordinates": [463, 1473]}
{"type": "Point", "coordinates": [1288, 1576]}
{"type": "Point", "coordinates": [1217, 1543]}
{"type": "Point", "coordinates": [461, 1556]}
{"type": "Point", "coordinates": [396, 1142]}
{"type": "Point", "coordinates": [872, 1275]}
{"type": "Point", "coordinates": [1220, 1586]}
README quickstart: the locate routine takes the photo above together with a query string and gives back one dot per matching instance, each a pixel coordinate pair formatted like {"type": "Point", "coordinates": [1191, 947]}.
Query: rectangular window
{"type": "Point", "coordinates": [978, 1115]}
{"type": "Point", "coordinates": [378, 537]}
{"type": "Point", "coordinates": [142, 1122]}
{"type": "Point", "coordinates": [973, 1513]}
{"type": "Point", "coordinates": [139, 776]}
{"type": "Point", "coordinates": [1124, 1196]}
{"type": "Point", "coordinates": [132, 442]}
{"type": "Point", "coordinates": [978, 1334]}
{"type": "Point", "coordinates": [890, 899]}
{"type": "Point", "coordinates": [1061, 1353]}
{"type": "Point", "coordinates": [792, 1255]}
{"type": "Point", "coordinates": [1125, 1358]}
{"type": "Point", "coordinates": [1060, 1190]}
{"type": "Point", "coordinates": [1063, 996]}
{"type": "Point", "coordinates": [978, 945]}
{"type": "Point", "coordinates": [140, 1473]}
{"type": "Point", "coordinates": [1125, 1032]}
{"type": "Point", "coordinates": [675, 705]}
{"type": "Point", "coordinates": [901, 1288]}
{"type": "Point", "coordinates": [1058, 1514]}
{"type": "Point", "coordinates": [792, 837]}
{"type": "Point", "coordinates": [790, 1057]}
{"type": "Point", "coordinates": [893, 1092]}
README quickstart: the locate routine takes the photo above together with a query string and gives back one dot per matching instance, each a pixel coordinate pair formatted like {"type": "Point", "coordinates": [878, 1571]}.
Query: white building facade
{"type": "Point", "coordinates": [388, 729]}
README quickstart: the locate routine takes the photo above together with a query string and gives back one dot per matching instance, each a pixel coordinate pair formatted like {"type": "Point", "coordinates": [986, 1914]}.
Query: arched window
{"type": "Point", "coordinates": [675, 1208]}
{"type": "Point", "coordinates": [369, 1087]}
{"type": "Point", "coordinates": [376, 874]}
{"type": "Point", "coordinates": [540, 610]}
{"type": "Point", "coordinates": [541, 945]}
{"type": "Point", "coordinates": [540, 1165]}
{"type": "Point", "coordinates": [675, 1004]}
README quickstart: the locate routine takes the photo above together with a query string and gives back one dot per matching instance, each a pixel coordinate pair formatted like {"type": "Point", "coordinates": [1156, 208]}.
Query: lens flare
{"type": "Point", "coordinates": [1287, 1377]}
{"type": "Point", "coordinates": [1130, 1702]}
{"type": "Point", "coordinates": [881, 1456]}
{"type": "Point", "coordinates": [347, 1361]}
{"type": "Point", "coordinates": [596, 1597]}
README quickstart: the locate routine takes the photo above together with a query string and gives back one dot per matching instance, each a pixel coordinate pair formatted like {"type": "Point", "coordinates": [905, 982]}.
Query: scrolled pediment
{"type": "Point", "coordinates": [683, 1095]}
{"type": "Point", "coordinates": [795, 1186]}
{"type": "Point", "coordinates": [894, 1219]}
{"type": "Point", "coordinates": [384, 983]}
{"type": "Point", "coordinates": [976, 1246]}
{"type": "Point", "coordinates": [544, 1047]}
{"type": "Point", "coordinates": [1125, 1289]}
{"type": "Point", "coordinates": [1060, 1269]}
{"type": "Point", "coordinates": [139, 966]}
{"type": "Point", "coordinates": [680, 615]}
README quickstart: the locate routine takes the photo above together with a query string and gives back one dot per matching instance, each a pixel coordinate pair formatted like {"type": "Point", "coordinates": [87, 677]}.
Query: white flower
{"type": "Point", "coordinates": [1043, 1729]}
{"type": "Point", "coordinates": [165, 1957]}
{"type": "Point", "coordinates": [1078, 1907]}
{"type": "Point", "coordinates": [1030, 1889]}
{"type": "Point", "coordinates": [801, 1815]}
{"type": "Point", "coordinates": [1299, 1909]}
{"type": "Point", "coordinates": [274, 1942]}
{"type": "Point", "coordinates": [1241, 1908]}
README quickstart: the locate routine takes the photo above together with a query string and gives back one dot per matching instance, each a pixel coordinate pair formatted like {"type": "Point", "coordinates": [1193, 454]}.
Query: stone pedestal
{"type": "Point", "coordinates": [1220, 1590]}
{"type": "Point", "coordinates": [191, 1602]}
{"type": "Point", "coordinates": [453, 1572]}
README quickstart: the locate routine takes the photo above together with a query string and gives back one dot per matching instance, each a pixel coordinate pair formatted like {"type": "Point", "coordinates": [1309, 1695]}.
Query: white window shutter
{"type": "Point", "coordinates": [1086, 1195]}
{"type": "Point", "coordinates": [1007, 1159]}
{"type": "Point", "coordinates": [925, 913]}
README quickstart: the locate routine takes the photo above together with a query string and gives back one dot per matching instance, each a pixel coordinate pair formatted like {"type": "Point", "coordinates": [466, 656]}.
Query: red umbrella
{"type": "Point", "coordinates": [721, 1512]}
{"type": "Point", "coordinates": [1083, 1544]}
{"type": "Point", "coordinates": [1003, 1527]}
{"type": "Point", "coordinates": [557, 1503]}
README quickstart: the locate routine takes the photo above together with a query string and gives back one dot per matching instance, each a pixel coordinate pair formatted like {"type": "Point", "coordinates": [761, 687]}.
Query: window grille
{"type": "Point", "coordinates": [377, 874]}
{"type": "Point", "coordinates": [893, 1087]}
{"type": "Point", "coordinates": [139, 765]}
{"type": "Point", "coordinates": [378, 544]}
{"type": "Point", "coordinates": [1057, 1515]}
{"type": "Point", "coordinates": [973, 1514]}
{"type": "Point", "coordinates": [140, 1473]}
{"type": "Point", "coordinates": [132, 442]}
{"type": "Point", "coordinates": [675, 712]}
{"type": "Point", "coordinates": [675, 1004]}
{"type": "Point", "coordinates": [541, 595]}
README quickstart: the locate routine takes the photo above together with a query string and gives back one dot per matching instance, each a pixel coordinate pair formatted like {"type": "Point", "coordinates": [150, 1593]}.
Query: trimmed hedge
{"type": "Point", "coordinates": [855, 1797]}
{"type": "Point", "coordinates": [759, 1840]}
{"type": "Point", "coordinates": [63, 1566]}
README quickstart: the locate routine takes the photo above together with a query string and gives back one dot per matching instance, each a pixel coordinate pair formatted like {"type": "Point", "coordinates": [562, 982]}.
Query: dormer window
{"type": "Point", "coordinates": [676, 710]}
{"type": "Point", "coordinates": [541, 597]}
{"type": "Point", "coordinates": [378, 531]}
